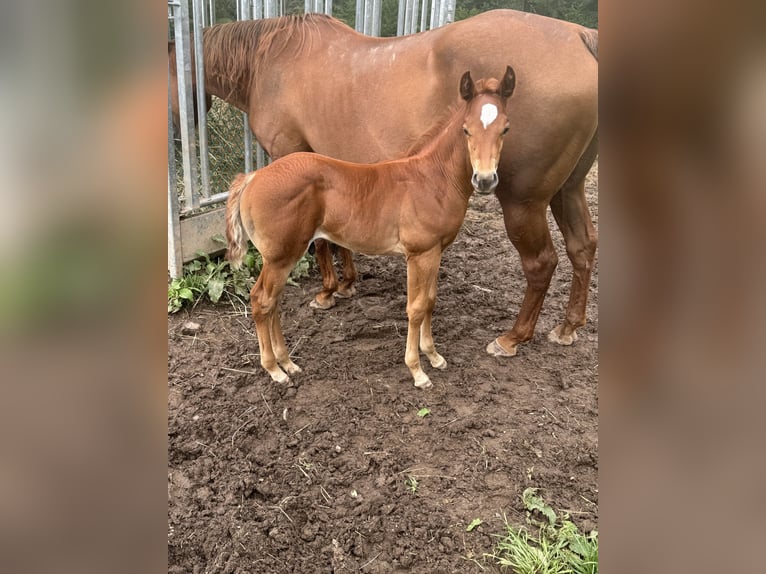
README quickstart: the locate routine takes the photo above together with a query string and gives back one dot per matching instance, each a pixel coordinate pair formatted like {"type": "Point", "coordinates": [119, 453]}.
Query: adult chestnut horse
{"type": "Point", "coordinates": [412, 206]}
{"type": "Point", "coordinates": [311, 83]}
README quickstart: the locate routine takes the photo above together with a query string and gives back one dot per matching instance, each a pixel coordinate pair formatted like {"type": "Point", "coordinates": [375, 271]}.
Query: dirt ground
{"type": "Point", "coordinates": [336, 472]}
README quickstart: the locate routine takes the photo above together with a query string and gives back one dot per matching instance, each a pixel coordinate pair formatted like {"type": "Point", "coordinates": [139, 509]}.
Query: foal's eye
{"type": "Point", "coordinates": [465, 131]}
{"type": "Point", "coordinates": [505, 131]}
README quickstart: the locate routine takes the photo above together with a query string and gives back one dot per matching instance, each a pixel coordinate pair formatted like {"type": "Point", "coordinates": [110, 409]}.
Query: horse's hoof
{"type": "Point", "coordinates": [423, 383]}
{"type": "Point", "coordinates": [555, 336]}
{"type": "Point", "coordinates": [279, 376]}
{"type": "Point", "coordinates": [496, 350]}
{"type": "Point", "coordinates": [317, 304]}
{"type": "Point", "coordinates": [345, 293]}
{"type": "Point", "coordinates": [291, 368]}
{"type": "Point", "coordinates": [439, 362]}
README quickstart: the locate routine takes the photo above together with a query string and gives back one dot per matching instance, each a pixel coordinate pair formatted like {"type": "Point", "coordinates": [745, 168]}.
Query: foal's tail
{"type": "Point", "coordinates": [235, 231]}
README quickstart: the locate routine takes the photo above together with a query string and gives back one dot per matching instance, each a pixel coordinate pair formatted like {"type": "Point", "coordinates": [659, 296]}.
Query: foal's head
{"type": "Point", "coordinates": [485, 124]}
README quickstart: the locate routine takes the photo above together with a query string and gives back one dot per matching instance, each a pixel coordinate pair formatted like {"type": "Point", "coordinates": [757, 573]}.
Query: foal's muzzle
{"type": "Point", "coordinates": [485, 182]}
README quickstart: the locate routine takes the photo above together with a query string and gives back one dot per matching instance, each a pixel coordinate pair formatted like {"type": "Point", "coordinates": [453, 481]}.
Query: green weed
{"type": "Point", "coordinates": [558, 547]}
{"type": "Point", "coordinates": [212, 277]}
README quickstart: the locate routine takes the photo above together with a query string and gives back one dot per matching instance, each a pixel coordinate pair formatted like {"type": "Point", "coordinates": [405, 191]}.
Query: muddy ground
{"type": "Point", "coordinates": [336, 472]}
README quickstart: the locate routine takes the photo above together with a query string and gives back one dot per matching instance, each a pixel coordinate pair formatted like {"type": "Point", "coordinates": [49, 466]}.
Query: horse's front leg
{"type": "Point", "coordinates": [346, 287]}
{"type": "Point", "coordinates": [422, 272]}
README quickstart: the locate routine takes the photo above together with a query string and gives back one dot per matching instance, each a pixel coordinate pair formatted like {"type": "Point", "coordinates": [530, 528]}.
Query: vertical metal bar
{"type": "Point", "coordinates": [328, 7]}
{"type": "Point", "coordinates": [376, 17]}
{"type": "Point", "coordinates": [450, 11]}
{"type": "Point", "coordinates": [368, 17]}
{"type": "Point", "coordinates": [359, 16]}
{"type": "Point", "coordinates": [185, 105]}
{"type": "Point", "coordinates": [423, 13]}
{"type": "Point", "coordinates": [400, 19]}
{"type": "Point", "coordinates": [198, 12]}
{"type": "Point", "coordinates": [211, 12]}
{"type": "Point", "coordinates": [245, 13]}
{"type": "Point", "coordinates": [308, 6]}
{"type": "Point", "coordinates": [175, 255]}
{"type": "Point", "coordinates": [442, 13]}
{"type": "Point", "coordinates": [414, 19]}
{"type": "Point", "coordinates": [407, 16]}
{"type": "Point", "coordinates": [257, 9]}
{"type": "Point", "coordinates": [434, 11]}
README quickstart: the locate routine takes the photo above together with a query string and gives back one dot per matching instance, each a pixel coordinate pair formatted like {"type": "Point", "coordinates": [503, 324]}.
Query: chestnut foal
{"type": "Point", "coordinates": [413, 206]}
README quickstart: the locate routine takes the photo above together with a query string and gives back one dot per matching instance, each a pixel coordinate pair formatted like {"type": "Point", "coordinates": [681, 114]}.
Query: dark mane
{"type": "Point", "coordinates": [233, 51]}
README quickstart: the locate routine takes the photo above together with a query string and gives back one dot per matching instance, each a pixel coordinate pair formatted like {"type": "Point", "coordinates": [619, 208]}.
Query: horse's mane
{"type": "Point", "coordinates": [431, 133]}
{"type": "Point", "coordinates": [234, 50]}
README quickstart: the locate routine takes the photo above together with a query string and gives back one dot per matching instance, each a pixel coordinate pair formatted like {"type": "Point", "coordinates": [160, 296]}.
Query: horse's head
{"type": "Point", "coordinates": [174, 87]}
{"type": "Point", "coordinates": [485, 124]}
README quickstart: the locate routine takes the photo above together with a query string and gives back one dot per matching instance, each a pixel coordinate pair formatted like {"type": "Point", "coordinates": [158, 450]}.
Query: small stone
{"type": "Point", "coordinates": [190, 328]}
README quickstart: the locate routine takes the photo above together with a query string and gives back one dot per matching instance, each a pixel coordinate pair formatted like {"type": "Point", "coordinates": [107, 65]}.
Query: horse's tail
{"type": "Point", "coordinates": [235, 231]}
{"type": "Point", "coordinates": [590, 39]}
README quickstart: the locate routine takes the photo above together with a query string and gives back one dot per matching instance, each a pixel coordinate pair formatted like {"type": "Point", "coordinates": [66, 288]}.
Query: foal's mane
{"type": "Point", "coordinates": [233, 51]}
{"type": "Point", "coordinates": [489, 86]}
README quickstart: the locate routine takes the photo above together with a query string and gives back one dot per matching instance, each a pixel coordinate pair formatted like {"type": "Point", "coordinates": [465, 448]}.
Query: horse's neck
{"type": "Point", "coordinates": [447, 157]}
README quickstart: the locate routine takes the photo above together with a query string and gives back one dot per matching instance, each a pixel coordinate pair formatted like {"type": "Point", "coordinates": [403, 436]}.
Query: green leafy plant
{"type": "Point", "coordinates": [212, 277]}
{"type": "Point", "coordinates": [558, 547]}
{"type": "Point", "coordinates": [411, 483]}
{"type": "Point", "coordinates": [474, 523]}
{"type": "Point", "coordinates": [424, 412]}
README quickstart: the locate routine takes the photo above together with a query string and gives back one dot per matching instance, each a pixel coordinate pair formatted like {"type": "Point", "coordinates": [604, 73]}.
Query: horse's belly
{"type": "Point", "coordinates": [366, 244]}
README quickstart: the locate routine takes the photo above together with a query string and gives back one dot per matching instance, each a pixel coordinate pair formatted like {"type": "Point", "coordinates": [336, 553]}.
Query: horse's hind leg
{"type": "Point", "coordinates": [279, 344]}
{"type": "Point", "coordinates": [346, 287]}
{"type": "Point", "coordinates": [527, 229]}
{"type": "Point", "coordinates": [570, 209]}
{"type": "Point", "coordinates": [324, 299]}
{"type": "Point", "coordinates": [264, 298]}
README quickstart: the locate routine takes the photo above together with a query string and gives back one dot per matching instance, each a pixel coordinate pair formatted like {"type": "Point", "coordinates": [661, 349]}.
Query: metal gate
{"type": "Point", "coordinates": [202, 160]}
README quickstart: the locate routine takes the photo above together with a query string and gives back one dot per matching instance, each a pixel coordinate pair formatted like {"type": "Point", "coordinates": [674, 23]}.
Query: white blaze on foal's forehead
{"type": "Point", "coordinates": [488, 114]}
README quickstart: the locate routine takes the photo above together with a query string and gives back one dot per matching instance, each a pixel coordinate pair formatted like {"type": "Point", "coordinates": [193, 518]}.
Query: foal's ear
{"type": "Point", "coordinates": [508, 83]}
{"type": "Point", "coordinates": [466, 87]}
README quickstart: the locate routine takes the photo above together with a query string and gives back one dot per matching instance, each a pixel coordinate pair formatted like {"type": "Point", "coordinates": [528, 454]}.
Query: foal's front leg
{"type": "Point", "coordinates": [422, 273]}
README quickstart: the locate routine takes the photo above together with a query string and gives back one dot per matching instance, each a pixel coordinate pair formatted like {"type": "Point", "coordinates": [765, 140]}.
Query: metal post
{"type": "Point", "coordinates": [434, 11]}
{"type": "Point", "coordinates": [407, 16]}
{"type": "Point", "coordinates": [198, 12]}
{"type": "Point", "coordinates": [414, 18]}
{"type": "Point", "coordinates": [400, 19]}
{"type": "Point", "coordinates": [185, 104]}
{"type": "Point", "coordinates": [211, 12]}
{"type": "Point", "coordinates": [375, 18]}
{"type": "Point", "coordinates": [328, 7]}
{"type": "Point", "coordinates": [359, 17]}
{"type": "Point", "coordinates": [423, 13]}
{"type": "Point", "coordinates": [450, 17]}
{"type": "Point", "coordinates": [257, 9]}
{"type": "Point", "coordinates": [175, 255]}
{"type": "Point", "coordinates": [368, 17]}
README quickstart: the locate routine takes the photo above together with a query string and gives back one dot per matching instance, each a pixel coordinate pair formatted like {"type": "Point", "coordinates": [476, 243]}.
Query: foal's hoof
{"type": "Point", "coordinates": [423, 383]}
{"type": "Point", "coordinates": [439, 362]}
{"type": "Point", "coordinates": [322, 304]}
{"type": "Point", "coordinates": [556, 336]}
{"type": "Point", "coordinates": [496, 350]}
{"type": "Point", "coordinates": [291, 368]}
{"type": "Point", "coordinates": [279, 376]}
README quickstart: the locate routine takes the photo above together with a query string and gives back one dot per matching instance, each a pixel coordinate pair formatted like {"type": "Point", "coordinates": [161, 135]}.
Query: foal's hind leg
{"type": "Point", "coordinates": [570, 210]}
{"type": "Point", "coordinates": [264, 298]}
{"type": "Point", "coordinates": [278, 342]}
